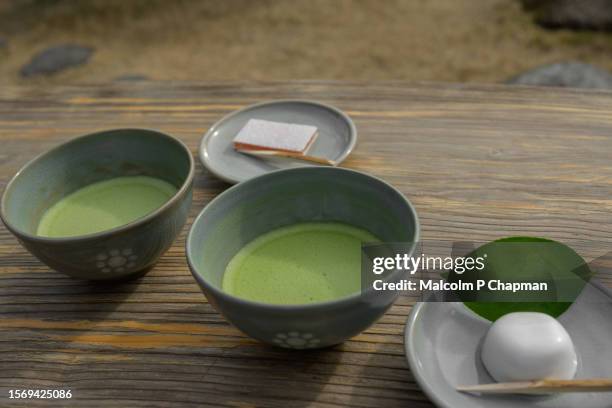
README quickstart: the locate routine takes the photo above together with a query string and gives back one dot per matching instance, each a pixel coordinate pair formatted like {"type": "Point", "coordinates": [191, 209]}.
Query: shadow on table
{"type": "Point", "coordinates": [274, 376]}
{"type": "Point", "coordinates": [384, 379]}
{"type": "Point", "coordinates": [46, 303]}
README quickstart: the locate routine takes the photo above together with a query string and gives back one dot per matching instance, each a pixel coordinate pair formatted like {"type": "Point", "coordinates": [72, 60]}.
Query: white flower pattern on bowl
{"type": "Point", "coordinates": [116, 260]}
{"type": "Point", "coordinates": [296, 340]}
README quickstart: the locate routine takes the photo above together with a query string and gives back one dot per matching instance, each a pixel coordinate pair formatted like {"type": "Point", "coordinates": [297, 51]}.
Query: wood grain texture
{"type": "Point", "coordinates": [478, 162]}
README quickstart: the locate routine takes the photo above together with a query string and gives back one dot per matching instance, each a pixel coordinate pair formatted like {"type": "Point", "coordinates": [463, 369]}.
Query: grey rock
{"type": "Point", "coordinates": [56, 58]}
{"type": "Point", "coordinates": [132, 77]}
{"type": "Point", "coordinates": [575, 14]}
{"type": "Point", "coordinates": [566, 74]}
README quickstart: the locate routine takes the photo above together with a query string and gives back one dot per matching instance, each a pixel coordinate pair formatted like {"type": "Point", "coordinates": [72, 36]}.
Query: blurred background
{"type": "Point", "coordinates": [44, 42]}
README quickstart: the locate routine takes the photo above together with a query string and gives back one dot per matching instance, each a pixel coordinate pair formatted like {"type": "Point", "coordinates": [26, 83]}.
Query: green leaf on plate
{"type": "Point", "coordinates": [526, 259]}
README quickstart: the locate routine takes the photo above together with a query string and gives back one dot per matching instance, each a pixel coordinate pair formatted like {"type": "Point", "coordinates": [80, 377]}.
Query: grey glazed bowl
{"type": "Point", "coordinates": [285, 197]}
{"type": "Point", "coordinates": [119, 253]}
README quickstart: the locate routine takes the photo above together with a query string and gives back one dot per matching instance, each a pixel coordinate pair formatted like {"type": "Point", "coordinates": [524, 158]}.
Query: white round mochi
{"type": "Point", "coordinates": [526, 346]}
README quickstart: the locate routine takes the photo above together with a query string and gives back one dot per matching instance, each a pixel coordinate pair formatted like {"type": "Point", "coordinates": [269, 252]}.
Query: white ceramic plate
{"type": "Point", "coordinates": [442, 342]}
{"type": "Point", "coordinates": [337, 138]}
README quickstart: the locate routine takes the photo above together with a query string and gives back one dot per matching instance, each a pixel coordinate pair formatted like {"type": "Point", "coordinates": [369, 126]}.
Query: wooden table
{"type": "Point", "coordinates": [478, 162]}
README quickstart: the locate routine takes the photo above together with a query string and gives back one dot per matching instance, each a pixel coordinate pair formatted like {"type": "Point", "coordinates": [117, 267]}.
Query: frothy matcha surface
{"type": "Point", "coordinates": [301, 263]}
{"type": "Point", "coordinates": [105, 205]}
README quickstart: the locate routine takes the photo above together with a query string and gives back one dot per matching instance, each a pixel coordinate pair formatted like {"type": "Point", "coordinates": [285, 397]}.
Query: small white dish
{"type": "Point", "coordinates": [337, 138]}
{"type": "Point", "coordinates": [443, 341]}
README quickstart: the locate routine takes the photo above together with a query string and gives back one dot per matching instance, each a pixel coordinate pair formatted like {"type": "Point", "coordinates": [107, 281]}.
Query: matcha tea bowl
{"type": "Point", "coordinates": [279, 255]}
{"type": "Point", "coordinates": [102, 206]}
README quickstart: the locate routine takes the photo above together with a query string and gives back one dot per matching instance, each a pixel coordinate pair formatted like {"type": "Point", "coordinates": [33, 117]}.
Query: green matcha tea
{"type": "Point", "coordinates": [301, 263]}
{"type": "Point", "coordinates": [104, 205]}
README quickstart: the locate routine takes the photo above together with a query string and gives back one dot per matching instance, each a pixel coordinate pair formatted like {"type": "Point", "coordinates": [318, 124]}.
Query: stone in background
{"type": "Point", "coordinates": [132, 77]}
{"type": "Point", "coordinates": [565, 74]}
{"type": "Point", "coordinates": [575, 14]}
{"type": "Point", "coordinates": [55, 59]}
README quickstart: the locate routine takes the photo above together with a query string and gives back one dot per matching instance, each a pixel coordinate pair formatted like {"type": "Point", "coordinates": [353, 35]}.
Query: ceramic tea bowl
{"type": "Point", "coordinates": [285, 197]}
{"type": "Point", "coordinates": [119, 253]}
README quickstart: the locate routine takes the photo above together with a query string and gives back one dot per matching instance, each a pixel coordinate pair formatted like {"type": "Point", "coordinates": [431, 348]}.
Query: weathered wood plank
{"type": "Point", "coordinates": [478, 162]}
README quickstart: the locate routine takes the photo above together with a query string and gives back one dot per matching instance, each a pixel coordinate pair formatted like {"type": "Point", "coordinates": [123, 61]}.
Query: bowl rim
{"type": "Point", "coordinates": [203, 153]}
{"type": "Point", "coordinates": [292, 307]}
{"type": "Point", "coordinates": [185, 186]}
{"type": "Point", "coordinates": [411, 355]}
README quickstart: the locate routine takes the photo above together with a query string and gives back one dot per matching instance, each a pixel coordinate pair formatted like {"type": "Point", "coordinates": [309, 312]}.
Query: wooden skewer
{"type": "Point", "coordinates": [290, 155]}
{"type": "Point", "coordinates": [541, 386]}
